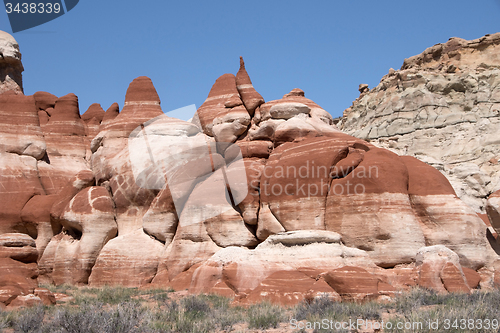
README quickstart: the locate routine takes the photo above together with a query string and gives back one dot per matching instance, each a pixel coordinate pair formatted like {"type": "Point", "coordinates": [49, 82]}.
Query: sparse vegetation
{"type": "Point", "coordinates": [265, 315]}
{"type": "Point", "coordinates": [132, 310]}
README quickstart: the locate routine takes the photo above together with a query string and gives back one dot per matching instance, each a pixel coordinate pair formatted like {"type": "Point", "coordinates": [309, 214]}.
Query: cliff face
{"type": "Point", "coordinates": [252, 199]}
{"type": "Point", "coordinates": [443, 107]}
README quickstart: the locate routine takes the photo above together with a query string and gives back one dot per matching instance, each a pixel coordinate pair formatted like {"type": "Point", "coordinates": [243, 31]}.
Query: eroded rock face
{"type": "Point", "coordinates": [19, 183]}
{"type": "Point", "coordinates": [130, 260]}
{"type": "Point", "coordinates": [442, 107]}
{"type": "Point", "coordinates": [66, 138]}
{"type": "Point", "coordinates": [93, 118]}
{"type": "Point", "coordinates": [18, 280]}
{"type": "Point", "coordinates": [440, 270]}
{"type": "Point", "coordinates": [493, 210]}
{"type": "Point", "coordinates": [11, 67]}
{"type": "Point", "coordinates": [252, 200]}
{"type": "Point", "coordinates": [223, 114]}
{"type": "Point", "coordinates": [293, 117]}
{"type": "Point", "coordinates": [21, 132]}
{"type": "Point", "coordinates": [249, 96]}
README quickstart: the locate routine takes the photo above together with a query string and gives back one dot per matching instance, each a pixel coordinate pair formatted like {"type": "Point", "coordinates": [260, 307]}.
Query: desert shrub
{"type": "Point", "coordinates": [195, 307]}
{"type": "Point", "coordinates": [457, 312]}
{"type": "Point", "coordinates": [127, 317]}
{"type": "Point", "coordinates": [163, 319]}
{"type": "Point", "coordinates": [187, 317]}
{"type": "Point", "coordinates": [105, 295]}
{"type": "Point", "coordinates": [201, 313]}
{"type": "Point", "coordinates": [124, 318]}
{"type": "Point", "coordinates": [6, 320]}
{"type": "Point", "coordinates": [86, 318]}
{"type": "Point", "coordinates": [196, 314]}
{"type": "Point", "coordinates": [159, 295]}
{"type": "Point", "coordinates": [116, 295]}
{"type": "Point", "coordinates": [265, 315]}
{"type": "Point", "coordinates": [418, 297]}
{"type": "Point", "coordinates": [29, 320]}
{"type": "Point", "coordinates": [325, 308]}
{"type": "Point", "coordinates": [63, 288]}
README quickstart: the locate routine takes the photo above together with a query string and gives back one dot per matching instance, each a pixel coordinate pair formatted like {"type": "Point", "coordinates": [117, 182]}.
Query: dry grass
{"type": "Point", "coordinates": [121, 310]}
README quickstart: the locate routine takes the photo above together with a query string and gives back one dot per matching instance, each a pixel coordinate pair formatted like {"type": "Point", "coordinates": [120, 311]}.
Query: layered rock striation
{"type": "Point", "coordinates": [442, 107]}
{"type": "Point", "coordinates": [252, 199]}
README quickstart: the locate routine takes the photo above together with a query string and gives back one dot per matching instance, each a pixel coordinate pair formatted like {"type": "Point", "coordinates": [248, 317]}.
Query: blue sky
{"type": "Point", "coordinates": [326, 48]}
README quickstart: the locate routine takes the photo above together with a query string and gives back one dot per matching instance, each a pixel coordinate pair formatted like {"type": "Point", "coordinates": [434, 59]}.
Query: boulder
{"type": "Point", "coordinates": [292, 118]}
{"type": "Point", "coordinates": [17, 279]}
{"type": "Point", "coordinates": [11, 67]}
{"type": "Point", "coordinates": [493, 210]}
{"type": "Point", "coordinates": [353, 283]}
{"type": "Point", "coordinates": [289, 288]}
{"type": "Point", "coordinates": [244, 271]}
{"type": "Point", "coordinates": [45, 101]}
{"type": "Point", "coordinates": [20, 247]}
{"type": "Point", "coordinates": [440, 270]}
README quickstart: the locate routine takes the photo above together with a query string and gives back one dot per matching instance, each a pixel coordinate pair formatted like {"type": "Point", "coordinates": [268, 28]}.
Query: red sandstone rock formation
{"type": "Point", "coordinates": [250, 97]}
{"type": "Point", "coordinates": [93, 118]}
{"type": "Point", "coordinates": [65, 135]}
{"type": "Point", "coordinates": [21, 133]}
{"type": "Point", "coordinates": [18, 278]}
{"type": "Point", "coordinates": [293, 210]}
{"type": "Point", "coordinates": [291, 118]}
{"type": "Point", "coordinates": [223, 115]}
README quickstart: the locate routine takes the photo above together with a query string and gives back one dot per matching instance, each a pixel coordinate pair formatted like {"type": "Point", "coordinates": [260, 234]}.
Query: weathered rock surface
{"type": "Point", "coordinates": [93, 118]}
{"type": "Point", "coordinates": [252, 200]}
{"type": "Point", "coordinates": [19, 272]}
{"type": "Point", "coordinates": [130, 260]}
{"type": "Point", "coordinates": [440, 270]}
{"type": "Point", "coordinates": [110, 114]}
{"type": "Point", "coordinates": [442, 107]}
{"type": "Point", "coordinates": [223, 115]}
{"type": "Point", "coordinates": [19, 183]}
{"type": "Point", "coordinates": [249, 96]}
{"type": "Point", "coordinates": [36, 217]}
{"type": "Point", "coordinates": [67, 145]}
{"type": "Point", "coordinates": [443, 216]}
{"type": "Point", "coordinates": [293, 117]}
{"type": "Point", "coordinates": [20, 247]}
{"type": "Point", "coordinates": [11, 67]}
{"type": "Point", "coordinates": [493, 210]}
{"type": "Point", "coordinates": [355, 283]}
{"type": "Point", "coordinates": [21, 132]}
